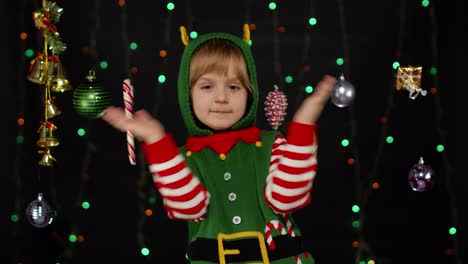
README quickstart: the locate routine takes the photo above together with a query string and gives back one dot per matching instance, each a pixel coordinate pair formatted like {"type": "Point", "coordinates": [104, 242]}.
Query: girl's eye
{"type": "Point", "coordinates": [234, 87]}
{"type": "Point", "coordinates": [205, 87]}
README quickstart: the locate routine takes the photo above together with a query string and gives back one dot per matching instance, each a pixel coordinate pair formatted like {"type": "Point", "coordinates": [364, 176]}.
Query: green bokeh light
{"type": "Point", "coordinates": [72, 238]}
{"type": "Point", "coordinates": [85, 205]}
{"type": "Point", "coordinates": [344, 142]}
{"type": "Point", "coordinates": [133, 46]}
{"type": "Point", "coordinates": [356, 223]}
{"type": "Point", "coordinates": [152, 200]}
{"type": "Point", "coordinates": [272, 5]}
{"type": "Point", "coordinates": [288, 79]}
{"type": "Point", "coordinates": [145, 251]}
{"type": "Point", "coordinates": [312, 21]}
{"type": "Point", "coordinates": [29, 53]}
{"type": "Point", "coordinates": [14, 218]}
{"type": "Point", "coordinates": [19, 139]}
{"type": "Point", "coordinates": [81, 132]}
{"type": "Point", "coordinates": [340, 61]}
{"type": "Point", "coordinates": [104, 65]}
{"type": "Point", "coordinates": [309, 89]}
{"type": "Point", "coordinates": [355, 208]}
{"type": "Point", "coordinates": [170, 6]}
{"type": "Point", "coordinates": [452, 231]}
{"type": "Point", "coordinates": [395, 65]}
{"type": "Point", "coordinates": [389, 139]}
{"type": "Point", "coordinates": [162, 78]}
{"type": "Point", "coordinates": [425, 3]}
{"type": "Point", "coordinates": [440, 148]}
{"type": "Point", "coordinates": [193, 34]}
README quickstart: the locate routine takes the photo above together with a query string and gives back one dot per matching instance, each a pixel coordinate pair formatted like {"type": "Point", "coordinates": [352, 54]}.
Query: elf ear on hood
{"type": "Point", "coordinates": [183, 84]}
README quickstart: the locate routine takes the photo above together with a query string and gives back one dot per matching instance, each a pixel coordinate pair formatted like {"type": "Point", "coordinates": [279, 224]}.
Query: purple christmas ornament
{"type": "Point", "coordinates": [421, 177]}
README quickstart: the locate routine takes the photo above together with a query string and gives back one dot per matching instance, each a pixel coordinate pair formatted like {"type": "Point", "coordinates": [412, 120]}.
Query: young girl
{"type": "Point", "coordinates": [234, 184]}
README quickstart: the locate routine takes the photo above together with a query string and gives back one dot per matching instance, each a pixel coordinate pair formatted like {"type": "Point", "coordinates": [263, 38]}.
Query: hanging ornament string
{"type": "Point", "coordinates": [127, 89]}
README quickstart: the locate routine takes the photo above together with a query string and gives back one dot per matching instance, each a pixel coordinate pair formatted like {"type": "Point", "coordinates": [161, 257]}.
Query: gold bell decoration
{"type": "Point", "coordinates": [409, 78]}
{"type": "Point", "coordinates": [47, 70]}
{"type": "Point", "coordinates": [46, 135]}
{"type": "Point", "coordinates": [51, 110]}
{"type": "Point", "coordinates": [59, 82]}
{"type": "Point", "coordinates": [47, 159]}
{"type": "Point", "coordinates": [41, 69]}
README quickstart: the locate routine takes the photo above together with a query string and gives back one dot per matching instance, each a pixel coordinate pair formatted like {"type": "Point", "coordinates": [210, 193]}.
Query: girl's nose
{"type": "Point", "coordinates": [221, 96]}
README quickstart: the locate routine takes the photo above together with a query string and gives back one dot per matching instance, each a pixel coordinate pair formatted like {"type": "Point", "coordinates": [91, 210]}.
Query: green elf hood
{"type": "Point", "coordinates": [184, 90]}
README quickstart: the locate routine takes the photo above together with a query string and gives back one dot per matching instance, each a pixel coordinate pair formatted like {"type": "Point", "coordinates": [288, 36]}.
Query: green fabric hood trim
{"type": "Point", "coordinates": [184, 89]}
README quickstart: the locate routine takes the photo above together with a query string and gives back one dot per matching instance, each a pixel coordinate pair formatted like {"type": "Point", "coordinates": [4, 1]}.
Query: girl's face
{"type": "Point", "coordinates": [219, 100]}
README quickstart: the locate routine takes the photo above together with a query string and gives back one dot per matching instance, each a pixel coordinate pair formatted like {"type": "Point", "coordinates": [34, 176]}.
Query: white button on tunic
{"type": "Point", "coordinates": [236, 220]}
{"type": "Point", "coordinates": [232, 197]}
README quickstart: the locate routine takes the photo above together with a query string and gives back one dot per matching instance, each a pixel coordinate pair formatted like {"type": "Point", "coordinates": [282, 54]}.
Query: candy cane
{"type": "Point", "coordinates": [128, 103]}
{"type": "Point", "coordinates": [275, 224]}
{"type": "Point", "coordinates": [289, 226]}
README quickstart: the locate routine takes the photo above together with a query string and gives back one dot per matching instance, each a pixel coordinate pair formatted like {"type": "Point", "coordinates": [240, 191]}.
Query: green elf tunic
{"type": "Point", "coordinates": [236, 182]}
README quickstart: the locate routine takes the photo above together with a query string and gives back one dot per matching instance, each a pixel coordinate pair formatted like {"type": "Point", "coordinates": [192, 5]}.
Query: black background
{"type": "Point", "coordinates": [402, 226]}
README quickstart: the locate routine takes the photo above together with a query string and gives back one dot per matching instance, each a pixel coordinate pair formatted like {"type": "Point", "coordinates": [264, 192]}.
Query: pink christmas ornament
{"type": "Point", "coordinates": [421, 177]}
{"type": "Point", "coordinates": [275, 107]}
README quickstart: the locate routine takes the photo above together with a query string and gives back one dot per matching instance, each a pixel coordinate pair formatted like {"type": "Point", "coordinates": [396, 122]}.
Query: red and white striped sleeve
{"type": "Point", "coordinates": [293, 165]}
{"type": "Point", "coordinates": [184, 197]}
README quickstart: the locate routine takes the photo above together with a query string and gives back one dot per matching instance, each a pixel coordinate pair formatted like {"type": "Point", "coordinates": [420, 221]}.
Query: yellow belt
{"type": "Point", "coordinates": [223, 252]}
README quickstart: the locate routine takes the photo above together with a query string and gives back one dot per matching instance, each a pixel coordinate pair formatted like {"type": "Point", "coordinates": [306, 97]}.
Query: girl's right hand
{"type": "Point", "coordinates": [142, 125]}
{"type": "Point", "coordinates": [312, 106]}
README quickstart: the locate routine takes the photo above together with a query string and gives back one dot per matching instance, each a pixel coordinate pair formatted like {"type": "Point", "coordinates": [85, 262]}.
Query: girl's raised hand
{"type": "Point", "coordinates": [311, 108]}
{"type": "Point", "coordinates": [142, 125]}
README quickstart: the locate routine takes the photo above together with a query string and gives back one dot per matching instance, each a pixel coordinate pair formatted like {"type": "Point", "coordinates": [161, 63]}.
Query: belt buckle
{"type": "Point", "coordinates": [223, 252]}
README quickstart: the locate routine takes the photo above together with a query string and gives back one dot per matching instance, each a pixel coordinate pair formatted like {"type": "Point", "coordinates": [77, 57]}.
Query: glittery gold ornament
{"type": "Point", "coordinates": [409, 78]}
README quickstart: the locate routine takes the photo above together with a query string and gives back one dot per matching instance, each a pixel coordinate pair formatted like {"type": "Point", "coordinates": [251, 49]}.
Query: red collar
{"type": "Point", "coordinates": [222, 143]}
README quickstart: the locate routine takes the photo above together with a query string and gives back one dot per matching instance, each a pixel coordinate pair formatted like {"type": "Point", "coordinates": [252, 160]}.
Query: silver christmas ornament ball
{"type": "Point", "coordinates": [39, 213]}
{"type": "Point", "coordinates": [343, 94]}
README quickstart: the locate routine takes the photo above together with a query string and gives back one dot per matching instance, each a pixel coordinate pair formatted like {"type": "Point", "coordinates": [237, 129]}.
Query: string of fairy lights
{"type": "Point", "coordinates": [359, 242]}
{"type": "Point", "coordinates": [372, 185]}
{"type": "Point", "coordinates": [20, 137]}
{"type": "Point", "coordinates": [453, 246]}
{"type": "Point", "coordinates": [364, 187]}
{"type": "Point", "coordinates": [276, 42]}
{"type": "Point", "coordinates": [129, 71]}
{"type": "Point", "coordinates": [145, 190]}
{"type": "Point", "coordinates": [76, 234]}
{"type": "Point", "coordinates": [304, 66]}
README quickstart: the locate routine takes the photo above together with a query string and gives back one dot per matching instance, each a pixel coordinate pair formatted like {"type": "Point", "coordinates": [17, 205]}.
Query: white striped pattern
{"type": "Point", "coordinates": [284, 166]}
{"type": "Point", "coordinates": [169, 192]}
{"type": "Point", "coordinates": [176, 208]}
{"type": "Point", "coordinates": [167, 165]}
{"type": "Point", "coordinates": [286, 207]}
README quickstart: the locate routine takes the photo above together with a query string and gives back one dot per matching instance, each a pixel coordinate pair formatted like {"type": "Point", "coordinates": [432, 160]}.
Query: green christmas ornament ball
{"type": "Point", "coordinates": [91, 98]}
